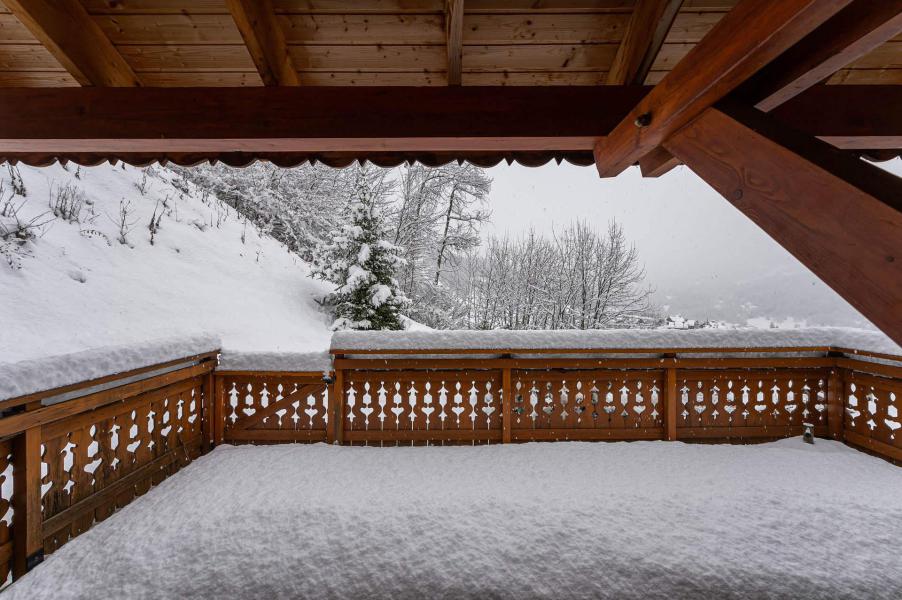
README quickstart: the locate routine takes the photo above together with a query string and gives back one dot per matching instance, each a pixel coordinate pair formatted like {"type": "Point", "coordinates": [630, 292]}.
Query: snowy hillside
{"type": "Point", "coordinates": [76, 286]}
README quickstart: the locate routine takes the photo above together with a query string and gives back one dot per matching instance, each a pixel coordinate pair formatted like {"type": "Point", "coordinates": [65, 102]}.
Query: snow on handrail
{"type": "Point", "coordinates": [49, 373]}
{"type": "Point", "coordinates": [610, 340]}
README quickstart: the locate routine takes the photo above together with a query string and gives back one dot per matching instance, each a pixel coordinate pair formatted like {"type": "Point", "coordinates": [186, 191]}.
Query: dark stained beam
{"type": "Point", "coordinates": [840, 216]}
{"type": "Point", "coordinates": [657, 162]}
{"type": "Point", "coordinates": [748, 37]}
{"type": "Point", "coordinates": [454, 37]}
{"type": "Point", "coordinates": [66, 29]}
{"type": "Point", "coordinates": [850, 34]}
{"type": "Point", "coordinates": [384, 119]}
{"type": "Point", "coordinates": [265, 41]}
{"type": "Point", "coordinates": [648, 26]}
{"type": "Point", "coordinates": [849, 117]}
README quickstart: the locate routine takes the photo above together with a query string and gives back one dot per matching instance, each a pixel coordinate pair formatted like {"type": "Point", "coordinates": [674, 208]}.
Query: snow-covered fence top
{"type": "Point", "coordinates": [532, 341]}
{"type": "Point", "coordinates": [309, 362]}
{"type": "Point", "coordinates": [36, 375]}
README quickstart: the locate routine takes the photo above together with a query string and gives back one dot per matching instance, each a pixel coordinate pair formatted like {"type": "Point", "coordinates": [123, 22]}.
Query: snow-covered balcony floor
{"type": "Point", "coordinates": [583, 520]}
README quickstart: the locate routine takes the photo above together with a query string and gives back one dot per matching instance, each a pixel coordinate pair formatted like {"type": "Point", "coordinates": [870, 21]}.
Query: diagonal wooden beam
{"type": "Point", "coordinates": [265, 41]}
{"type": "Point", "coordinates": [66, 29]}
{"type": "Point", "coordinates": [649, 24]}
{"type": "Point", "coordinates": [745, 40]}
{"type": "Point", "coordinates": [454, 35]}
{"type": "Point", "coordinates": [853, 32]}
{"type": "Point", "coordinates": [840, 216]}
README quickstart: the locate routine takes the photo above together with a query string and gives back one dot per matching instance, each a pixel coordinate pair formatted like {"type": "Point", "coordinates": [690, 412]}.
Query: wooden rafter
{"type": "Point", "coordinates": [657, 162]}
{"type": "Point", "coordinates": [745, 40]}
{"type": "Point", "coordinates": [454, 34]}
{"type": "Point", "coordinates": [648, 26]}
{"type": "Point", "coordinates": [838, 215]}
{"type": "Point", "coordinates": [75, 40]}
{"type": "Point", "coordinates": [853, 32]}
{"type": "Point", "coordinates": [265, 41]}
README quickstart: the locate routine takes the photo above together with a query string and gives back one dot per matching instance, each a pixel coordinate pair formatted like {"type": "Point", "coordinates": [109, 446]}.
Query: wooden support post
{"type": "Point", "coordinates": [208, 412]}
{"type": "Point", "coordinates": [338, 413]}
{"type": "Point", "coordinates": [836, 403]}
{"type": "Point", "coordinates": [507, 398]}
{"type": "Point", "coordinates": [28, 543]}
{"type": "Point", "coordinates": [670, 405]}
{"type": "Point", "coordinates": [219, 412]}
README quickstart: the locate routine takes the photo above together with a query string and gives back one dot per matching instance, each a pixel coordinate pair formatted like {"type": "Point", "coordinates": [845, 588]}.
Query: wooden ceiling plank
{"type": "Point", "coordinates": [744, 41]}
{"type": "Point", "coordinates": [855, 31]}
{"type": "Point", "coordinates": [265, 41]}
{"type": "Point", "coordinates": [454, 36]}
{"type": "Point", "coordinates": [645, 32]}
{"type": "Point", "coordinates": [75, 40]}
{"type": "Point", "coordinates": [838, 215]}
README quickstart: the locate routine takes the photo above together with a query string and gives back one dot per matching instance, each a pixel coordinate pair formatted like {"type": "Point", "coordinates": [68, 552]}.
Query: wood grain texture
{"type": "Point", "coordinates": [841, 217]}
{"type": "Point", "coordinates": [747, 38]}
{"type": "Point", "coordinates": [647, 28]}
{"type": "Point", "coordinates": [853, 33]}
{"type": "Point", "coordinates": [265, 41]}
{"type": "Point", "coordinates": [75, 40]}
{"type": "Point", "coordinates": [454, 34]}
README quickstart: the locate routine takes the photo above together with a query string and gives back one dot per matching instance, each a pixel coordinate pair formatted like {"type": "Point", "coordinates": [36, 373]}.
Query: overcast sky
{"type": "Point", "coordinates": [695, 245]}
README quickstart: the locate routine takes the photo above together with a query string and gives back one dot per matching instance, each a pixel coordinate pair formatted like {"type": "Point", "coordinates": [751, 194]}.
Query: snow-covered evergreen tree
{"type": "Point", "coordinates": [363, 265]}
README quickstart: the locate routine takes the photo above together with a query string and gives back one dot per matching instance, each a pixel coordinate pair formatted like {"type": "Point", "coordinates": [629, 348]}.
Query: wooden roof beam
{"type": "Point", "coordinates": [265, 41]}
{"type": "Point", "coordinates": [853, 32]}
{"type": "Point", "coordinates": [648, 26]}
{"type": "Point", "coordinates": [69, 33]}
{"type": "Point", "coordinates": [751, 35]}
{"type": "Point", "coordinates": [454, 35]}
{"type": "Point", "coordinates": [840, 216]}
{"type": "Point", "coordinates": [462, 119]}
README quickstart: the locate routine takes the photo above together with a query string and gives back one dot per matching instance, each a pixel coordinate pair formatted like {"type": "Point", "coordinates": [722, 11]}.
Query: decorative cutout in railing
{"type": "Point", "coordinates": [121, 449]}
{"type": "Point", "coordinates": [280, 407]}
{"type": "Point", "coordinates": [440, 406]}
{"type": "Point", "coordinates": [873, 412]}
{"type": "Point", "coordinates": [6, 516]}
{"type": "Point", "coordinates": [612, 404]}
{"type": "Point", "coordinates": [722, 403]}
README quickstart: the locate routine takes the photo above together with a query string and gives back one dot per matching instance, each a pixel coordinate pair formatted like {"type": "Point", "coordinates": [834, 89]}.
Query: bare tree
{"type": "Point", "coordinates": [578, 279]}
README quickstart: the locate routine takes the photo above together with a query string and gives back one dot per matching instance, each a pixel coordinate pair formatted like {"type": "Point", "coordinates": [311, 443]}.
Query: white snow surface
{"type": "Point", "coordinates": [38, 374]}
{"type": "Point", "coordinates": [629, 339]}
{"type": "Point", "coordinates": [275, 361]}
{"type": "Point", "coordinates": [649, 520]}
{"type": "Point", "coordinates": [77, 291]}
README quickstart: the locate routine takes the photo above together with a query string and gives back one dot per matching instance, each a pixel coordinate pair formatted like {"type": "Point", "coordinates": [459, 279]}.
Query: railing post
{"type": "Point", "coordinates": [208, 412]}
{"type": "Point", "coordinates": [670, 404]}
{"type": "Point", "coordinates": [337, 421]}
{"type": "Point", "coordinates": [28, 542]}
{"type": "Point", "coordinates": [219, 412]}
{"type": "Point", "coordinates": [836, 400]}
{"type": "Point", "coordinates": [507, 403]}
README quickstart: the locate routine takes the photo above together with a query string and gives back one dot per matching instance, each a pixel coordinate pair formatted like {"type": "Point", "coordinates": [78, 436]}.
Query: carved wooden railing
{"type": "Point", "coordinates": [390, 400]}
{"type": "Point", "coordinates": [71, 456]}
{"type": "Point", "coordinates": [66, 463]}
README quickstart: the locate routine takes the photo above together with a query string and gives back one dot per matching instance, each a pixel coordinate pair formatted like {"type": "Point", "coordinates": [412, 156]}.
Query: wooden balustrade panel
{"type": "Point", "coordinates": [6, 493]}
{"type": "Point", "coordinates": [98, 461]}
{"type": "Point", "coordinates": [389, 407]}
{"type": "Point", "coordinates": [873, 413]}
{"type": "Point", "coordinates": [274, 408]}
{"type": "Point", "coordinates": [751, 403]}
{"type": "Point", "coordinates": [587, 404]}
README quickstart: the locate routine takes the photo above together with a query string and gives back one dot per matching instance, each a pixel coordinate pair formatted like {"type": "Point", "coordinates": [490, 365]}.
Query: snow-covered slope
{"type": "Point", "coordinates": [206, 272]}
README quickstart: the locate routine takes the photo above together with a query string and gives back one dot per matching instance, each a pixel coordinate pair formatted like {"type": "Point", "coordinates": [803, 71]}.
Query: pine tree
{"type": "Point", "coordinates": [363, 265]}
